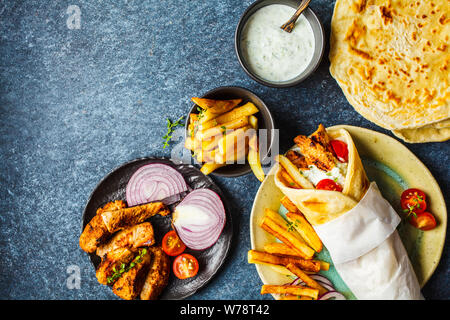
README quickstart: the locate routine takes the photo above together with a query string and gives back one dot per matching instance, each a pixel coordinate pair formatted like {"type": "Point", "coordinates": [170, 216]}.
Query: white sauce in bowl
{"type": "Point", "coordinates": [272, 53]}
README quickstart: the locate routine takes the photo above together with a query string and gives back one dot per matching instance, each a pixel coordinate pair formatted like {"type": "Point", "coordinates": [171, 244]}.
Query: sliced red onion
{"type": "Point", "coordinates": [322, 279]}
{"type": "Point", "coordinates": [154, 182]}
{"type": "Point", "coordinates": [324, 282]}
{"type": "Point", "coordinates": [298, 282]}
{"type": "Point", "coordinates": [199, 219]}
{"type": "Point", "coordinates": [332, 294]}
{"type": "Point", "coordinates": [326, 286]}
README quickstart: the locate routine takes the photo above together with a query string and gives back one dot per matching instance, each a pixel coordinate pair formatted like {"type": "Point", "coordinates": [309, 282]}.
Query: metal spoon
{"type": "Point", "coordinates": [289, 25]}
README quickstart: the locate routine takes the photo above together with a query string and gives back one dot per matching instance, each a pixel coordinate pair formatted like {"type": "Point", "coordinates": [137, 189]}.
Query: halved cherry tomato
{"type": "Point", "coordinates": [340, 149]}
{"type": "Point", "coordinates": [423, 221]}
{"type": "Point", "coordinates": [413, 200]}
{"type": "Point", "coordinates": [172, 244]}
{"type": "Point", "coordinates": [328, 184]}
{"type": "Point", "coordinates": [185, 266]}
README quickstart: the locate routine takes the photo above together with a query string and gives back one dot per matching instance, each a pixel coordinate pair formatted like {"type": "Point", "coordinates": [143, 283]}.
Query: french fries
{"type": "Point", "coordinates": [235, 140]}
{"type": "Point", "coordinates": [294, 255]}
{"type": "Point", "coordinates": [246, 110]}
{"type": "Point", "coordinates": [254, 160]}
{"type": "Point", "coordinates": [216, 106]}
{"type": "Point", "coordinates": [279, 249]}
{"type": "Point", "coordinates": [289, 205]}
{"type": "Point", "coordinates": [207, 168]}
{"type": "Point", "coordinates": [189, 143]}
{"type": "Point", "coordinates": [290, 289]}
{"type": "Point", "coordinates": [231, 156]}
{"type": "Point", "coordinates": [305, 230]}
{"type": "Point", "coordinates": [287, 180]}
{"type": "Point", "coordinates": [219, 130]}
{"type": "Point", "coordinates": [218, 134]}
{"type": "Point", "coordinates": [293, 172]}
{"type": "Point", "coordinates": [260, 257]}
{"type": "Point", "coordinates": [282, 249]}
{"type": "Point", "coordinates": [206, 156]}
{"type": "Point", "coordinates": [305, 278]}
{"type": "Point", "coordinates": [276, 225]}
{"type": "Point", "coordinates": [253, 121]}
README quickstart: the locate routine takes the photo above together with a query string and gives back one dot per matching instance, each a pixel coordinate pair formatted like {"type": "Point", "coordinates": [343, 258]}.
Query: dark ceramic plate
{"type": "Point", "coordinates": [265, 121]}
{"type": "Point", "coordinates": [113, 186]}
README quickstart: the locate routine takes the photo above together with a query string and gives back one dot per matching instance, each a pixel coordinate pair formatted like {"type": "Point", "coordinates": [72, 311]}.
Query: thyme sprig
{"type": "Point", "coordinates": [411, 209]}
{"type": "Point", "coordinates": [170, 129]}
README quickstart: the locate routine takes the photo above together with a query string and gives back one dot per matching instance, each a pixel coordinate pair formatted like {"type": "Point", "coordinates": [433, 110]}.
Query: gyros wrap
{"type": "Point", "coordinates": [321, 206]}
{"type": "Point", "coordinates": [355, 223]}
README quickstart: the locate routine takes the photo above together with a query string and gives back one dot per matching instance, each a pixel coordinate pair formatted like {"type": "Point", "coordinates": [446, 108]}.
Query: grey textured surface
{"type": "Point", "coordinates": [74, 104]}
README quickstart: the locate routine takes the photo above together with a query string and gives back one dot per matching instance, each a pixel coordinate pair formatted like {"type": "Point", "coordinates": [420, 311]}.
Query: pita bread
{"type": "Point", "coordinates": [435, 132]}
{"type": "Point", "coordinates": [391, 59]}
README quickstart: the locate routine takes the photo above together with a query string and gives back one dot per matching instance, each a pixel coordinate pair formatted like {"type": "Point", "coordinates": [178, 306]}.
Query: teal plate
{"type": "Point", "coordinates": [394, 168]}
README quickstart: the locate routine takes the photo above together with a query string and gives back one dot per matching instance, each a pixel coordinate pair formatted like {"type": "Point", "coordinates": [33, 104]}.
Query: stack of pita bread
{"type": "Point", "coordinates": [391, 59]}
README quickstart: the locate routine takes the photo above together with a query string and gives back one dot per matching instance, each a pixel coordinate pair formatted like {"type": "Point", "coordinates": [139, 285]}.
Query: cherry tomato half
{"type": "Point", "coordinates": [328, 184]}
{"type": "Point", "coordinates": [185, 266]}
{"type": "Point", "coordinates": [413, 200]}
{"type": "Point", "coordinates": [172, 244]}
{"type": "Point", "coordinates": [424, 221]}
{"type": "Point", "coordinates": [340, 149]}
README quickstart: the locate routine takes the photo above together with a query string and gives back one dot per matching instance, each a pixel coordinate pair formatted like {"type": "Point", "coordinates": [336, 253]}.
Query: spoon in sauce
{"type": "Point", "coordinates": [289, 25]}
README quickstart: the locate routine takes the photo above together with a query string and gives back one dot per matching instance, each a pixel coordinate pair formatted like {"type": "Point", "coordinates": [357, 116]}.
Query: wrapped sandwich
{"type": "Point", "coordinates": [324, 177]}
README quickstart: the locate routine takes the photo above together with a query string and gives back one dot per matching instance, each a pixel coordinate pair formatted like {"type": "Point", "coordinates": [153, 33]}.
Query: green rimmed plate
{"type": "Point", "coordinates": [394, 168]}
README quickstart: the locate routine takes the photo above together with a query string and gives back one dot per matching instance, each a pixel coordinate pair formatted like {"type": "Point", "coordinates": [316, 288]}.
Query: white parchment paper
{"type": "Point", "coordinates": [367, 251]}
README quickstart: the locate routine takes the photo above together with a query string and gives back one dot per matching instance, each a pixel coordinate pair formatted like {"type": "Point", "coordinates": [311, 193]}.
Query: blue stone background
{"type": "Point", "coordinates": [74, 104]}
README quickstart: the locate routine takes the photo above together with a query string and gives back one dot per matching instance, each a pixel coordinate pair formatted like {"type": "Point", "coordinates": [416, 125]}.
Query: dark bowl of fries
{"type": "Point", "coordinates": [230, 132]}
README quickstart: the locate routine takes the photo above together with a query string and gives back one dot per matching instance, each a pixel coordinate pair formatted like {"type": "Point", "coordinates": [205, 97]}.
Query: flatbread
{"type": "Point", "coordinates": [391, 59]}
{"type": "Point", "coordinates": [436, 132]}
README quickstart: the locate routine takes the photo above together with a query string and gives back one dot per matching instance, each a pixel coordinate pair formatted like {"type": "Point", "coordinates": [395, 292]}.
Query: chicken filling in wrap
{"type": "Point", "coordinates": [322, 161]}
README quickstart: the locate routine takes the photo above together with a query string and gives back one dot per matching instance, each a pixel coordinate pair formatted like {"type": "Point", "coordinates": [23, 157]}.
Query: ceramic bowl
{"type": "Point", "coordinates": [319, 43]}
{"type": "Point", "coordinates": [265, 121]}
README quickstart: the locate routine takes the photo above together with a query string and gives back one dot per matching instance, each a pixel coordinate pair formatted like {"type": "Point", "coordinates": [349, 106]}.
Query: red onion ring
{"type": "Point", "coordinates": [200, 235]}
{"type": "Point", "coordinates": [154, 182]}
{"type": "Point", "coordinates": [321, 278]}
{"type": "Point", "coordinates": [324, 282]}
{"type": "Point", "coordinates": [332, 294]}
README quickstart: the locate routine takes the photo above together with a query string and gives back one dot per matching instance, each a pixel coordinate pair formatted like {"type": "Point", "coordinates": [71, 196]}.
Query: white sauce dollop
{"type": "Point", "coordinates": [272, 53]}
{"type": "Point", "coordinates": [337, 174]}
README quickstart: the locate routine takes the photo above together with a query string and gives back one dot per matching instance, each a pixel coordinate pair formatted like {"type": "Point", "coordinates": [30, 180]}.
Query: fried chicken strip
{"type": "Point", "coordinates": [158, 276]}
{"type": "Point", "coordinates": [113, 260]}
{"type": "Point", "coordinates": [95, 231]}
{"type": "Point", "coordinates": [140, 235]}
{"type": "Point", "coordinates": [115, 220]}
{"type": "Point", "coordinates": [316, 149]}
{"type": "Point", "coordinates": [297, 159]}
{"type": "Point", "coordinates": [130, 283]}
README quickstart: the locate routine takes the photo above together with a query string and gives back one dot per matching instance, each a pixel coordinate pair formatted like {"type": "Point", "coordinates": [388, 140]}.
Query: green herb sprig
{"type": "Point", "coordinates": [125, 268]}
{"type": "Point", "coordinates": [170, 129]}
{"type": "Point", "coordinates": [201, 113]}
{"type": "Point", "coordinates": [410, 210]}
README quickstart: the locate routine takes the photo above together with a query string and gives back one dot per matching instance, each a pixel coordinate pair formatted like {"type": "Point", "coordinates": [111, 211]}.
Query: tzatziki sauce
{"type": "Point", "coordinates": [272, 53]}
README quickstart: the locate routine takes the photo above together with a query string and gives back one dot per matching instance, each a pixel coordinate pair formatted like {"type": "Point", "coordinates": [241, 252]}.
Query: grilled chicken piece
{"type": "Point", "coordinates": [140, 235]}
{"type": "Point", "coordinates": [297, 159]}
{"type": "Point", "coordinates": [115, 220]}
{"type": "Point", "coordinates": [320, 136]}
{"type": "Point", "coordinates": [113, 260]}
{"type": "Point", "coordinates": [317, 150]}
{"type": "Point", "coordinates": [158, 276]}
{"type": "Point", "coordinates": [95, 231]}
{"type": "Point", "coordinates": [130, 283]}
